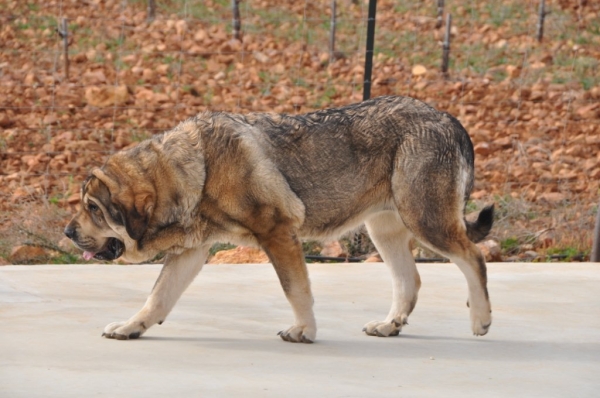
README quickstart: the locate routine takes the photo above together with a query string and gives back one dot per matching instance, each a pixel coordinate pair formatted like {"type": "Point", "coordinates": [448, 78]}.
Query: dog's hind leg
{"type": "Point", "coordinates": [467, 256]}
{"type": "Point", "coordinates": [285, 252]}
{"type": "Point", "coordinates": [471, 262]}
{"type": "Point", "coordinates": [176, 275]}
{"type": "Point", "coordinates": [441, 227]}
{"type": "Point", "coordinates": [392, 238]}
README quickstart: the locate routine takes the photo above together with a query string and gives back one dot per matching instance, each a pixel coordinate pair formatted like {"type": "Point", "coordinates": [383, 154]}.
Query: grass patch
{"type": "Point", "coordinates": [66, 258]}
{"type": "Point", "coordinates": [217, 247]}
{"type": "Point", "coordinates": [566, 254]}
{"type": "Point", "coordinates": [510, 245]}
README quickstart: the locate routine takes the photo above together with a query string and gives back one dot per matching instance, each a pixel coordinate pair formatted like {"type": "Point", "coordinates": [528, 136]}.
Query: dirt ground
{"type": "Point", "coordinates": [532, 108]}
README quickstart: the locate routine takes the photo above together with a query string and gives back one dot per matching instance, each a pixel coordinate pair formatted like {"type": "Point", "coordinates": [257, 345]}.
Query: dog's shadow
{"type": "Point", "coordinates": [405, 346]}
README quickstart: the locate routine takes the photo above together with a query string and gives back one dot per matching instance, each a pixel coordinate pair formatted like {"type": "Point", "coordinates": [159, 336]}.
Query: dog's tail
{"type": "Point", "coordinates": [478, 230]}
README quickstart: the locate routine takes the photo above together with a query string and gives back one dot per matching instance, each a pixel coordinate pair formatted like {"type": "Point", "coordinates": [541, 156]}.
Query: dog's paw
{"type": "Point", "coordinates": [481, 326]}
{"type": "Point", "coordinates": [481, 318]}
{"type": "Point", "coordinates": [123, 330]}
{"type": "Point", "coordinates": [383, 329]}
{"type": "Point", "coordinates": [299, 334]}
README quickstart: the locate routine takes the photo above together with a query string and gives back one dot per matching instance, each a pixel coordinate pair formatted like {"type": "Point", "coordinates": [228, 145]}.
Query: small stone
{"type": "Point", "coordinates": [50, 119]}
{"type": "Point", "coordinates": [479, 194]}
{"type": "Point", "coordinates": [240, 255]}
{"type": "Point", "coordinates": [298, 100]}
{"type": "Point", "coordinates": [333, 249]}
{"type": "Point", "coordinates": [30, 79]}
{"type": "Point", "coordinates": [104, 96]}
{"type": "Point", "coordinates": [490, 250]}
{"type": "Point", "coordinates": [27, 254]}
{"type": "Point", "coordinates": [5, 121]}
{"type": "Point", "coordinates": [374, 258]}
{"type": "Point", "coordinates": [74, 198]}
{"type": "Point", "coordinates": [483, 149]}
{"type": "Point", "coordinates": [419, 70]}
{"type": "Point", "coordinates": [260, 57]}
{"type": "Point", "coordinates": [513, 71]}
{"type": "Point", "coordinates": [200, 35]}
{"type": "Point", "coordinates": [66, 244]}
{"type": "Point", "coordinates": [148, 74]}
{"type": "Point", "coordinates": [591, 111]}
{"type": "Point", "coordinates": [546, 238]}
{"type": "Point", "coordinates": [551, 197]}
{"type": "Point", "coordinates": [530, 254]}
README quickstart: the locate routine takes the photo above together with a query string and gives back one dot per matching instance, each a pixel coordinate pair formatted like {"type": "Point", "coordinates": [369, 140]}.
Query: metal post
{"type": "Point", "coordinates": [446, 46]}
{"type": "Point", "coordinates": [237, 23]}
{"type": "Point", "coordinates": [63, 32]}
{"type": "Point", "coordinates": [151, 10]}
{"type": "Point", "coordinates": [332, 31]}
{"type": "Point", "coordinates": [440, 14]}
{"type": "Point", "coordinates": [540, 24]}
{"type": "Point", "coordinates": [369, 52]}
{"type": "Point", "coordinates": [595, 257]}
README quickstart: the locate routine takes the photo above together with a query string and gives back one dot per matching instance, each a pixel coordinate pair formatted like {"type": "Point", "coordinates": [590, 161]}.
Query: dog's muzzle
{"type": "Point", "coordinates": [113, 249]}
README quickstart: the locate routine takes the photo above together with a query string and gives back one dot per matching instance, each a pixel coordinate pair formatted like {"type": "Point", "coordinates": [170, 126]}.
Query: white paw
{"type": "Point", "coordinates": [299, 334]}
{"type": "Point", "coordinates": [481, 325]}
{"type": "Point", "coordinates": [382, 328]}
{"type": "Point", "coordinates": [124, 330]}
{"type": "Point", "coordinates": [481, 317]}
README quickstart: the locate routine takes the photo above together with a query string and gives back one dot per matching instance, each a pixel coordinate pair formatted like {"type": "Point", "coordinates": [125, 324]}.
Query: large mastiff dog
{"type": "Point", "coordinates": [394, 163]}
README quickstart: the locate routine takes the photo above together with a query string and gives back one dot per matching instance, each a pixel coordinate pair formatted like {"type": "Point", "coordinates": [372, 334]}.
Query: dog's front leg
{"type": "Point", "coordinates": [176, 275]}
{"type": "Point", "coordinates": [285, 252]}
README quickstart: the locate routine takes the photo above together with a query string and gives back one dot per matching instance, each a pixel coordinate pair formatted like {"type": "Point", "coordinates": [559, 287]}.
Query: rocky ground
{"type": "Point", "coordinates": [532, 108]}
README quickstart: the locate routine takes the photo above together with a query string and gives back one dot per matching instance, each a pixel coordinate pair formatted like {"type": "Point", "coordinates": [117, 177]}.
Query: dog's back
{"type": "Point", "coordinates": [341, 162]}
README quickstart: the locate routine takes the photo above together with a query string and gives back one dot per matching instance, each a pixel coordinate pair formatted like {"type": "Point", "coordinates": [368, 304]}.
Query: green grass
{"type": "Point", "coordinates": [510, 245]}
{"type": "Point", "coordinates": [502, 13]}
{"type": "Point", "coordinates": [138, 135]}
{"type": "Point", "coordinates": [66, 258]}
{"type": "Point", "coordinates": [217, 247]}
{"type": "Point", "coordinates": [325, 98]}
{"type": "Point", "coordinates": [566, 254]}
{"type": "Point", "coordinates": [470, 207]}
{"type": "Point", "coordinates": [55, 199]}
{"type": "Point", "coordinates": [195, 9]}
{"type": "Point", "coordinates": [312, 247]}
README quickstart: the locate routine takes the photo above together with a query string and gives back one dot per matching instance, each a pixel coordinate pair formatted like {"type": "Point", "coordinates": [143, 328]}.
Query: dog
{"type": "Point", "coordinates": [396, 164]}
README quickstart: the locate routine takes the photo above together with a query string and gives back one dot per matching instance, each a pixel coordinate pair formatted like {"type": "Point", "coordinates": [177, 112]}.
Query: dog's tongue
{"type": "Point", "coordinates": [88, 255]}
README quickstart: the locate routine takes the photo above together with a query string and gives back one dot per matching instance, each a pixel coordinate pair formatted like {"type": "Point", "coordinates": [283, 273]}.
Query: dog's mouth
{"type": "Point", "coordinates": [113, 249]}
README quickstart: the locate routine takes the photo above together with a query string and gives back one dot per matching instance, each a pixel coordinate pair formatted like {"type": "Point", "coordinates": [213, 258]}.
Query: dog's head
{"type": "Point", "coordinates": [116, 208]}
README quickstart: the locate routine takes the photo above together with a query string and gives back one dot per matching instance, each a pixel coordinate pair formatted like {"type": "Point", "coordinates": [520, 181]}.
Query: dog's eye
{"type": "Point", "coordinates": [92, 207]}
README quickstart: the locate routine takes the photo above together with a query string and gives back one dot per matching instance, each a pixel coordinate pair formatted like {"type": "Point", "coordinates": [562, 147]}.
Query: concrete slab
{"type": "Point", "coordinates": [221, 338]}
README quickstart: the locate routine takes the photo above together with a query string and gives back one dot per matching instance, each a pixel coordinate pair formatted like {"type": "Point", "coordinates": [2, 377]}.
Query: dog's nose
{"type": "Point", "coordinates": [70, 232]}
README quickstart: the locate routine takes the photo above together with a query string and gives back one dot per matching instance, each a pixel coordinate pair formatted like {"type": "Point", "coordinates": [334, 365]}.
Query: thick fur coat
{"type": "Point", "coordinates": [394, 163]}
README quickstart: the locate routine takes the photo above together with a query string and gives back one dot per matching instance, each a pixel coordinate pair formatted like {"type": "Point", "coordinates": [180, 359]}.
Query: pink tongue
{"type": "Point", "coordinates": [88, 255]}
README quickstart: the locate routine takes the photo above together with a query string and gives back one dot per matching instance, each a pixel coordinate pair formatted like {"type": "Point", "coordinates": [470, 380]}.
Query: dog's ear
{"type": "Point", "coordinates": [134, 201]}
{"type": "Point", "coordinates": [112, 185]}
{"type": "Point", "coordinates": [136, 209]}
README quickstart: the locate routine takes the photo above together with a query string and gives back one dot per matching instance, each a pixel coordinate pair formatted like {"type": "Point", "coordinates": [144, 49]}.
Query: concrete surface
{"type": "Point", "coordinates": [221, 338]}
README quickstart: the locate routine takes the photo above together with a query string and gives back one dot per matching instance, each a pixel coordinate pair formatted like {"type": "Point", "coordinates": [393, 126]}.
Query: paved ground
{"type": "Point", "coordinates": [221, 338]}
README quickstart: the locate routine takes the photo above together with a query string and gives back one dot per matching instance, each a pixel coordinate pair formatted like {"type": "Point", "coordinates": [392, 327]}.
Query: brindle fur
{"type": "Point", "coordinates": [394, 163]}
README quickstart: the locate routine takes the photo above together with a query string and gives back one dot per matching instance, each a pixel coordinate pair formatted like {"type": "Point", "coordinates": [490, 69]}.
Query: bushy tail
{"type": "Point", "coordinates": [478, 230]}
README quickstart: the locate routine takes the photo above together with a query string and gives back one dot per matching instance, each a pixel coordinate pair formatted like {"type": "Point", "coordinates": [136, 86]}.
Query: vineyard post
{"type": "Point", "coordinates": [446, 46]}
{"type": "Point", "coordinates": [369, 50]}
{"type": "Point", "coordinates": [332, 32]}
{"type": "Point", "coordinates": [63, 32]}
{"type": "Point", "coordinates": [151, 10]}
{"type": "Point", "coordinates": [440, 14]}
{"type": "Point", "coordinates": [595, 257]}
{"type": "Point", "coordinates": [237, 23]}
